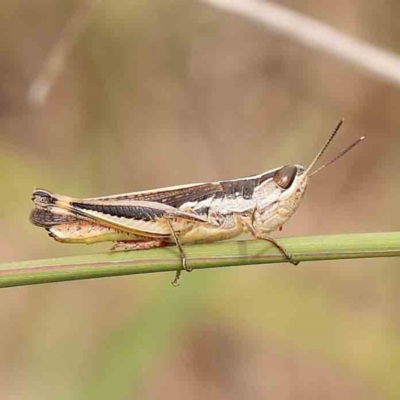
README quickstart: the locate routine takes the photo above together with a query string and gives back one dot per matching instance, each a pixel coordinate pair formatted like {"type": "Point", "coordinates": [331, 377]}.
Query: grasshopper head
{"type": "Point", "coordinates": [293, 180]}
{"type": "Point", "coordinates": [278, 200]}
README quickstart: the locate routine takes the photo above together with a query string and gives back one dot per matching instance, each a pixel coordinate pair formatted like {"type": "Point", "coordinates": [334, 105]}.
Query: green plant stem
{"type": "Point", "coordinates": [222, 254]}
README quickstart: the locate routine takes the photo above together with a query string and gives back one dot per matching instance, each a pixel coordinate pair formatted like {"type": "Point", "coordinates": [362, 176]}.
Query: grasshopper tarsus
{"type": "Point", "coordinates": [175, 282]}
{"type": "Point", "coordinates": [185, 266]}
{"type": "Point", "coordinates": [293, 262]}
{"type": "Point", "coordinates": [285, 253]}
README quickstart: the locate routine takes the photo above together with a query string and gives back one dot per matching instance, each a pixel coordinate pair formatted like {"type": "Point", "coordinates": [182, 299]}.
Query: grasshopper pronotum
{"type": "Point", "coordinates": [193, 213]}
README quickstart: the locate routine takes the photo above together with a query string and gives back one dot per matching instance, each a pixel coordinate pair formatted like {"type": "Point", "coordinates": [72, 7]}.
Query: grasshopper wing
{"type": "Point", "coordinates": [144, 218]}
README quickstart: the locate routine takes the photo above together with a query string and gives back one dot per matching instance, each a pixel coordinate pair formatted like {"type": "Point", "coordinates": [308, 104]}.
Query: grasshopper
{"type": "Point", "coordinates": [194, 213]}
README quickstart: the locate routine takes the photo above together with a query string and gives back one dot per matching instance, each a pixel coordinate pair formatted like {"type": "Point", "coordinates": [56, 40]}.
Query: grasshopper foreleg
{"type": "Point", "coordinates": [247, 221]}
{"type": "Point", "coordinates": [277, 245]}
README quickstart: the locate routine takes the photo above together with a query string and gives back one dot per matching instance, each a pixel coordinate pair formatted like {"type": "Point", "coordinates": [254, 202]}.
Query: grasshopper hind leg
{"type": "Point", "coordinates": [128, 245]}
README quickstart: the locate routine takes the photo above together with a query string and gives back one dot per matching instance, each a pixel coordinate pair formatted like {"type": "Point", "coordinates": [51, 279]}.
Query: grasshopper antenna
{"type": "Point", "coordinates": [354, 144]}
{"type": "Point", "coordinates": [322, 151]}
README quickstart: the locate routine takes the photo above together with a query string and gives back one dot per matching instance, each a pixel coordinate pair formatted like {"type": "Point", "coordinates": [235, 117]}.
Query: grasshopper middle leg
{"type": "Point", "coordinates": [184, 266]}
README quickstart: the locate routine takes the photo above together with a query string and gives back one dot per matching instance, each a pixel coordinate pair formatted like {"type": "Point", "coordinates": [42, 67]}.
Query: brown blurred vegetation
{"type": "Point", "coordinates": [162, 93]}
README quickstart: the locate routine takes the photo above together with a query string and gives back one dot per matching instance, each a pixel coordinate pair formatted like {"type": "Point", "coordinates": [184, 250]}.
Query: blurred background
{"type": "Point", "coordinates": [161, 93]}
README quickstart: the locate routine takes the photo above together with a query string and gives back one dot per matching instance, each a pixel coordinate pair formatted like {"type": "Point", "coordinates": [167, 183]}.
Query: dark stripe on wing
{"type": "Point", "coordinates": [134, 212]}
{"type": "Point", "coordinates": [174, 197]}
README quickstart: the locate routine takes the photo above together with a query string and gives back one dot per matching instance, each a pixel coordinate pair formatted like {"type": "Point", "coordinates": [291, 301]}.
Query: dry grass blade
{"type": "Point", "coordinates": [222, 254]}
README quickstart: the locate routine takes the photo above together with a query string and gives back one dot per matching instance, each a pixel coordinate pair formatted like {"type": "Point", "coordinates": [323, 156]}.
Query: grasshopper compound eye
{"type": "Point", "coordinates": [284, 177]}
